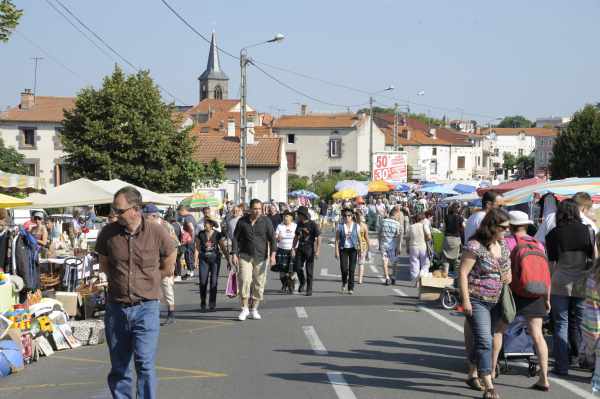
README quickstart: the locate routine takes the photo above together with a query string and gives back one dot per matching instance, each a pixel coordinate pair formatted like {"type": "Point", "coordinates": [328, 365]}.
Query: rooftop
{"type": "Point", "coordinates": [265, 152]}
{"type": "Point", "coordinates": [44, 109]}
{"type": "Point", "coordinates": [529, 131]}
{"type": "Point", "coordinates": [317, 121]}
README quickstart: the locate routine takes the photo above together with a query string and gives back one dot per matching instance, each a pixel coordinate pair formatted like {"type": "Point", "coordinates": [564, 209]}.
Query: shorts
{"type": "Point", "coordinates": [389, 253]}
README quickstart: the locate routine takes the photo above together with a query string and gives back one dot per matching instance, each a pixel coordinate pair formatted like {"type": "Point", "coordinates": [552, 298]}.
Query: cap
{"type": "Point", "coordinates": [38, 214]}
{"type": "Point", "coordinates": [150, 208]}
{"type": "Point", "coordinates": [518, 218]}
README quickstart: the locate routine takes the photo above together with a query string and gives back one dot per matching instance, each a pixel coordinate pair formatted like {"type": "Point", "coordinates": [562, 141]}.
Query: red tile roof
{"type": "Point", "coordinates": [265, 152]}
{"type": "Point", "coordinates": [45, 109]}
{"type": "Point", "coordinates": [317, 121]}
{"type": "Point", "coordinates": [419, 133]}
{"type": "Point", "coordinates": [530, 131]}
{"type": "Point", "coordinates": [214, 105]}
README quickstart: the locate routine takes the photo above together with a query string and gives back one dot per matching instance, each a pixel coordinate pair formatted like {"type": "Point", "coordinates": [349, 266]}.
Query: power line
{"type": "Point", "coordinates": [125, 60]}
{"type": "Point", "coordinates": [50, 56]}
{"type": "Point", "coordinates": [305, 76]}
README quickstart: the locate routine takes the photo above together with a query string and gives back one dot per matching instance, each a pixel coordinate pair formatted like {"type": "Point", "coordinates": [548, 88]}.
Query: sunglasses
{"type": "Point", "coordinates": [119, 212]}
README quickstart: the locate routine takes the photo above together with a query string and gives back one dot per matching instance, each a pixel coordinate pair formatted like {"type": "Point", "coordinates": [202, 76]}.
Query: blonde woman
{"type": "Point", "coordinates": [363, 236]}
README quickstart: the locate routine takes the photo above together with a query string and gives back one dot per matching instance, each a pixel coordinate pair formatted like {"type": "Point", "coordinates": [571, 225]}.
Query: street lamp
{"type": "Point", "coordinates": [389, 88]}
{"type": "Point", "coordinates": [244, 61]}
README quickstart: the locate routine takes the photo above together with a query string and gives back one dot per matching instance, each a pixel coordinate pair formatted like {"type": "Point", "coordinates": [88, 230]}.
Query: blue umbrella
{"type": "Point", "coordinates": [439, 189]}
{"type": "Point", "coordinates": [360, 187]}
{"type": "Point", "coordinates": [464, 188]}
{"type": "Point", "coordinates": [403, 188]}
{"type": "Point", "coordinates": [303, 193]}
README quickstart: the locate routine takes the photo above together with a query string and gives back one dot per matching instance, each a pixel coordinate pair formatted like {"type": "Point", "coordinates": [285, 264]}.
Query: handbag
{"type": "Point", "coordinates": [232, 289]}
{"type": "Point", "coordinates": [509, 309]}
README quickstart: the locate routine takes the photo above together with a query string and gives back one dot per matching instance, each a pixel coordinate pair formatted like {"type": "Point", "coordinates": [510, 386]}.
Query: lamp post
{"type": "Point", "coordinates": [244, 61]}
{"type": "Point", "coordinates": [389, 88]}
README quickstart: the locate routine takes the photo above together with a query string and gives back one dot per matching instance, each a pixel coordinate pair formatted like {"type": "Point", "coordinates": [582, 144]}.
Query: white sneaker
{"type": "Point", "coordinates": [243, 314]}
{"type": "Point", "coordinates": [343, 289]}
{"type": "Point", "coordinates": [177, 279]}
{"type": "Point", "coordinates": [255, 315]}
{"type": "Point", "coordinates": [191, 274]}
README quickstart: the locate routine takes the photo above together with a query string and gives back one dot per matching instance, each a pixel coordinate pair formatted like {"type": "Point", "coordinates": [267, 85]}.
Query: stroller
{"type": "Point", "coordinates": [517, 344]}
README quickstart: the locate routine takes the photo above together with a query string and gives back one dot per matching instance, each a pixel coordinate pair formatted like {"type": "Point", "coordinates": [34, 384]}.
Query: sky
{"type": "Point", "coordinates": [468, 59]}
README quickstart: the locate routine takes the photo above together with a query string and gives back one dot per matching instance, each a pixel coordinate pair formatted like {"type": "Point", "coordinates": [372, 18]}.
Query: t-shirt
{"type": "Point", "coordinates": [453, 225]}
{"type": "Point", "coordinates": [348, 234]}
{"type": "Point", "coordinates": [285, 235]}
{"type": "Point", "coordinates": [389, 230]}
{"type": "Point", "coordinates": [417, 233]}
{"type": "Point", "coordinates": [547, 225]}
{"type": "Point", "coordinates": [323, 208]}
{"type": "Point", "coordinates": [472, 224]}
{"type": "Point", "coordinates": [485, 279]}
{"type": "Point", "coordinates": [307, 233]}
{"type": "Point", "coordinates": [209, 245]}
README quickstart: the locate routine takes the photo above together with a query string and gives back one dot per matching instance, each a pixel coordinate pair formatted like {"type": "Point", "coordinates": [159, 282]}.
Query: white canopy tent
{"type": "Point", "coordinates": [84, 192]}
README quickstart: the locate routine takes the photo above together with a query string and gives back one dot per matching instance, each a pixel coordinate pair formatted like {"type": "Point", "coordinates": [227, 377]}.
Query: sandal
{"type": "Point", "coordinates": [474, 383]}
{"type": "Point", "coordinates": [539, 387]}
{"type": "Point", "coordinates": [491, 394]}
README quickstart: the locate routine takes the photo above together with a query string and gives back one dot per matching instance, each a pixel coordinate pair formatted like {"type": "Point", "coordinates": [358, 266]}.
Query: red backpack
{"type": "Point", "coordinates": [531, 271]}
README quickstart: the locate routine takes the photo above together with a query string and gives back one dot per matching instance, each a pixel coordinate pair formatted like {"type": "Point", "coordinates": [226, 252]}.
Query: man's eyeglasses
{"type": "Point", "coordinates": [119, 212]}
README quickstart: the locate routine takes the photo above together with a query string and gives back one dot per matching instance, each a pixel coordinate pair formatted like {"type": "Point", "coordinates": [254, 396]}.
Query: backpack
{"type": "Point", "coordinates": [531, 271]}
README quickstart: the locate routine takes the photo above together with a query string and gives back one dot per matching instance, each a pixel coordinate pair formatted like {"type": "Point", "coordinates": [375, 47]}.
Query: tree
{"type": "Point", "coordinates": [125, 130]}
{"type": "Point", "coordinates": [296, 182]}
{"type": "Point", "coordinates": [509, 161]}
{"type": "Point", "coordinates": [324, 184]}
{"type": "Point", "coordinates": [515, 121]}
{"type": "Point", "coordinates": [11, 160]}
{"type": "Point", "coordinates": [213, 173]}
{"type": "Point", "coordinates": [576, 149]}
{"type": "Point", "coordinates": [9, 19]}
{"type": "Point", "coordinates": [525, 165]}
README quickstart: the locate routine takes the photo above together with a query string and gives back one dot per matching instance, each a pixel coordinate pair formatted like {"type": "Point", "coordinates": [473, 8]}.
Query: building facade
{"type": "Point", "coordinates": [543, 154]}
{"type": "Point", "coordinates": [213, 83]}
{"type": "Point", "coordinates": [327, 143]}
{"type": "Point", "coordinates": [33, 129]}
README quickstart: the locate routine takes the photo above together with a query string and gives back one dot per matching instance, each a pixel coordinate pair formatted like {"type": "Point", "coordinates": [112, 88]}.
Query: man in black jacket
{"type": "Point", "coordinates": [308, 244]}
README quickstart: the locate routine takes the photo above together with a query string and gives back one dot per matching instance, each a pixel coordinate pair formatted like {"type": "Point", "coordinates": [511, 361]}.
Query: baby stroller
{"type": "Point", "coordinates": [517, 344]}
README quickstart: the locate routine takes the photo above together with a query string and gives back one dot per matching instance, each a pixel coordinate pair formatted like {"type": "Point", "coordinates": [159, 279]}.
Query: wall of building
{"type": "Point", "coordinates": [362, 147]}
{"type": "Point", "coordinates": [47, 151]}
{"type": "Point", "coordinates": [513, 144]}
{"type": "Point", "coordinates": [263, 183]}
{"type": "Point", "coordinates": [543, 152]}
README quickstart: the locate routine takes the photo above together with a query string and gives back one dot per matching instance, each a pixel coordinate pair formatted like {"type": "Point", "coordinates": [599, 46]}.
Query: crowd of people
{"type": "Point", "coordinates": [485, 250]}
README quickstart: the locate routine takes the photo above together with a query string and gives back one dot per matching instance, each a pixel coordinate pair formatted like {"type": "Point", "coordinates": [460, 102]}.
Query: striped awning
{"type": "Point", "coordinates": [14, 182]}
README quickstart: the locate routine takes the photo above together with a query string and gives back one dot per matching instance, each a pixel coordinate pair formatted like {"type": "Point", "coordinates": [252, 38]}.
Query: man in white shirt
{"type": "Point", "coordinates": [490, 200]}
{"type": "Point", "coordinates": [584, 202]}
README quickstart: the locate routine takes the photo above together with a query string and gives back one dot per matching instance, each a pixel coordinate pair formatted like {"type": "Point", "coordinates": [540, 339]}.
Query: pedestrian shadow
{"type": "Point", "coordinates": [454, 350]}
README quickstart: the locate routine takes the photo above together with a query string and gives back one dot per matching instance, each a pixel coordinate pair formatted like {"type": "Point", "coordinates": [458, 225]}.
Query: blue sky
{"type": "Point", "coordinates": [478, 59]}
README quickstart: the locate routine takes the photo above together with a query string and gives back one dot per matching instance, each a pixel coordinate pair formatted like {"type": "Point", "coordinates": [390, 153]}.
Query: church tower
{"type": "Point", "coordinates": [214, 84]}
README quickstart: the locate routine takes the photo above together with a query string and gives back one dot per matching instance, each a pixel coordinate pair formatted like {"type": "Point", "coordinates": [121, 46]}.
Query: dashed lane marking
{"type": "Point", "coordinates": [340, 386]}
{"type": "Point", "coordinates": [301, 312]}
{"type": "Point", "coordinates": [314, 340]}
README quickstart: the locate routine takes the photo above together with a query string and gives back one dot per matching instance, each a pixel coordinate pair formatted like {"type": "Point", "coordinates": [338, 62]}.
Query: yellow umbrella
{"type": "Point", "coordinates": [379, 186]}
{"type": "Point", "coordinates": [6, 201]}
{"type": "Point", "coordinates": [345, 194]}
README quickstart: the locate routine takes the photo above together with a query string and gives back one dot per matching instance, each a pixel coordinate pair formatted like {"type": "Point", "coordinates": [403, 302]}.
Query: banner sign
{"type": "Point", "coordinates": [390, 166]}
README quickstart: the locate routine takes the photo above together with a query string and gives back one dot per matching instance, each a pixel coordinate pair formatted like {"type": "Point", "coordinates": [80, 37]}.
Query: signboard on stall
{"type": "Point", "coordinates": [390, 166]}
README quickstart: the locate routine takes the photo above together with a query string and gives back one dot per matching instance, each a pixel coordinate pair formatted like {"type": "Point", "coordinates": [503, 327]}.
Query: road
{"type": "Point", "coordinates": [380, 342]}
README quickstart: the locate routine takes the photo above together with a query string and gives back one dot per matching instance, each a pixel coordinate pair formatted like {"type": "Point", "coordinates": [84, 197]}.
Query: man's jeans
{"type": "Point", "coordinates": [189, 257]}
{"type": "Point", "coordinates": [567, 314]}
{"type": "Point", "coordinates": [132, 332]}
{"type": "Point", "coordinates": [485, 317]}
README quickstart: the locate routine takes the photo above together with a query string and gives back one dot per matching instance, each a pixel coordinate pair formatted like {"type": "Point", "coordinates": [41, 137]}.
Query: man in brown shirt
{"type": "Point", "coordinates": [134, 254]}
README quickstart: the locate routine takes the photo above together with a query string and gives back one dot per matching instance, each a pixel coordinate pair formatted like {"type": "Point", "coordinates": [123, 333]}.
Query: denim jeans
{"type": "Point", "coordinates": [567, 314]}
{"type": "Point", "coordinates": [485, 317]}
{"type": "Point", "coordinates": [132, 332]}
{"type": "Point", "coordinates": [189, 257]}
{"type": "Point", "coordinates": [348, 257]}
{"type": "Point", "coordinates": [305, 258]}
{"type": "Point", "coordinates": [209, 277]}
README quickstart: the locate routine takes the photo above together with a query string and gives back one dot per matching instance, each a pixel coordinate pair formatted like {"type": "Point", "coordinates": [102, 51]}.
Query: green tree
{"type": "Point", "coordinates": [296, 182]}
{"type": "Point", "coordinates": [525, 165]}
{"type": "Point", "coordinates": [515, 121]}
{"type": "Point", "coordinates": [213, 173]}
{"type": "Point", "coordinates": [509, 161]}
{"type": "Point", "coordinates": [125, 130]}
{"type": "Point", "coordinates": [11, 160]}
{"type": "Point", "coordinates": [9, 19]}
{"type": "Point", "coordinates": [576, 149]}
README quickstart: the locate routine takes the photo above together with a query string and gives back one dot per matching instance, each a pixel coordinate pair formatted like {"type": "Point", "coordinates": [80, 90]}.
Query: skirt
{"type": "Point", "coordinates": [530, 307]}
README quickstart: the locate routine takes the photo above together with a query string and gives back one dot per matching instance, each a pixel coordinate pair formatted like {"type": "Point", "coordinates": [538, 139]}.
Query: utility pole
{"type": "Point", "coordinates": [371, 136]}
{"type": "Point", "coordinates": [243, 128]}
{"type": "Point", "coordinates": [395, 126]}
{"type": "Point", "coordinates": [35, 69]}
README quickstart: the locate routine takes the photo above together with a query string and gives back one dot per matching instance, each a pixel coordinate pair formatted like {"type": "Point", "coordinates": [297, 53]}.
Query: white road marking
{"type": "Point", "coordinates": [374, 270]}
{"type": "Point", "coordinates": [441, 318]}
{"type": "Point", "coordinates": [301, 312]}
{"type": "Point", "coordinates": [314, 340]}
{"type": "Point", "coordinates": [325, 273]}
{"type": "Point", "coordinates": [400, 292]}
{"type": "Point", "coordinates": [340, 386]}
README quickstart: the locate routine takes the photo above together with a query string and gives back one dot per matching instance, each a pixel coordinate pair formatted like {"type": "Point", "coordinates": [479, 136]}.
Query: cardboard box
{"type": "Point", "coordinates": [431, 287]}
{"type": "Point", "coordinates": [69, 300]}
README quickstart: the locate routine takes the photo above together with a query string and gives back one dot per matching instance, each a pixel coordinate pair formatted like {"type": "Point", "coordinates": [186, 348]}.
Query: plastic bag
{"type": "Point", "coordinates": [232, 289]}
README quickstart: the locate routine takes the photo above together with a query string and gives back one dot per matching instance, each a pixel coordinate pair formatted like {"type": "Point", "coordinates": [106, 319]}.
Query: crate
{"type": "Point", "coordinates": [430, 288]}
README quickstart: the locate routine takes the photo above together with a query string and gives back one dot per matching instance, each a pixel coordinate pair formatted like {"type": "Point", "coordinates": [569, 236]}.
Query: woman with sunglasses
{"type": "Point", "coordinates": [484, 269]}
{"type": "Point", "coordinates": [347, 244]}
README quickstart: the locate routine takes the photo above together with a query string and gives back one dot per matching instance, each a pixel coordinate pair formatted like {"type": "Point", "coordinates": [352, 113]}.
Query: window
{"type": "Point", "coordinates": [433, 167]}
{"type": "Point", "coordinates": [32, 167]}
{"type": "Point", "coordinates": [218, 93]}
{"type": "Point", "coordinates": [291, 138]}
{"type": "Point", "coordinates": [460, 162]}
{"type": "Point", "coordinates": [27, 137]}
{"type": "Point", "coordinates": [335, 148]}
{"type": "Point", "coordinates": [333, 171]}
{"type": "Point", "coordinates": [478, 161]}
{"type": "Point", "coordinates": [57, 138]}
{"type": "Point", "coordinates": [496, 152]}
{"type": "Point", "coordinates": [291, 160]}
{"type": "Point", "coordinates": [520, 152]}
{"type": "Point", "coordinates": [434, 151]}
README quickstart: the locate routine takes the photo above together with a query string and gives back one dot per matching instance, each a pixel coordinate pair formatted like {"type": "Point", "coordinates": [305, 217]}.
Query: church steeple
{"type": "Point", "coordinates": [213, 81]}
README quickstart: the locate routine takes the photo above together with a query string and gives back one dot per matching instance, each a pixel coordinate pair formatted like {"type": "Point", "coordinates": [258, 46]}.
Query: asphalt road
{"type": "Point", "coordinates": [380, 342]}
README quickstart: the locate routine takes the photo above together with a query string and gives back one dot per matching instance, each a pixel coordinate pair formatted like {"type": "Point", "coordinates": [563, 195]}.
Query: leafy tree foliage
{"type": "Point", "coordinates": [296, 182]}
{"type": "Point", "coordinates": [324, 184]}
{"type": "Point", "coordinates": [525, 165]}
{"type": "Point", "coordinates": [515, 121]}
{"type": "Point", "coordinates": [11, 160]}
{"type": "Point", "coordinates": [124, 130]}
{"type": "Point", "coordinates": [9, 19]}
{"type": "Point", "coordinates": [213, 173]}
{"type": "Point", "coordinates": [509, 161]}
{"type": "Point", "coordinates": [576, 149]}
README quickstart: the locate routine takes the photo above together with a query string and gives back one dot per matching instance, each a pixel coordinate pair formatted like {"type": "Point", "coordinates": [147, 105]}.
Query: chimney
{"type": "Point", "coordinates": [432, 133]}
{"type": "Point", "coordinates": [27, 99]}
{"type": "Point", "coordinates": [250, 137]}
{"type": "Point", "coordinates": [231, 128]}
{"type": "Point", "coordinates": [303, 109]}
